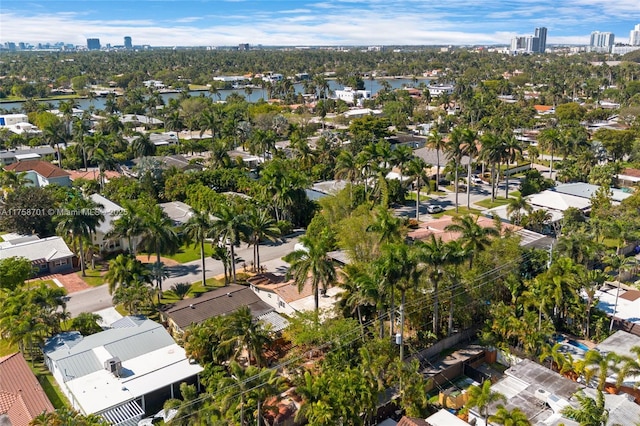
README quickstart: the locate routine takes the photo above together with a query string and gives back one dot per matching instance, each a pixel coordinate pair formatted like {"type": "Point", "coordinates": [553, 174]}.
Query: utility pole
{"type": "Point", "coordinates": [550, 255]}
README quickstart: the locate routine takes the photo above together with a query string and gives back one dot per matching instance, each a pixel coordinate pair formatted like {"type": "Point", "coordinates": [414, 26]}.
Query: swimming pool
{"type": "Point", "coordinates": [565, 340]}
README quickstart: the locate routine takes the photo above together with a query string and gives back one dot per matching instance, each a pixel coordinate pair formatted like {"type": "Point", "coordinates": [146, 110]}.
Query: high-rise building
{"type": "Point", "coordinates": [634, 36]}
{"type": "Point", "coordinates": [541, 33]}
{"type": "Point", "coordinates": [93, 43]}
{"type": "Point", "coordinates": [127, 43]}
{"type": "Point", "coordinates": [601, 42]}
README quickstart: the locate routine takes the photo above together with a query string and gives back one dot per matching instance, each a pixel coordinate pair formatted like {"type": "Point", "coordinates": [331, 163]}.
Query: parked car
{"type": "Point", "coordinates": [433, 208]}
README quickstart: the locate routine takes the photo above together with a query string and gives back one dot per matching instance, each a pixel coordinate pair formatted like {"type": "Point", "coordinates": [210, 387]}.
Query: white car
{"type": "Point", "coordinates": [433, 208]}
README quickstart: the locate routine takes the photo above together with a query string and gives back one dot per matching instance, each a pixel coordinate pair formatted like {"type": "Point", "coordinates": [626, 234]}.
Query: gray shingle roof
{"type": "Point", "coordinates": [50, 249]}
{"type": "Point", "coordinates": [222, 301]}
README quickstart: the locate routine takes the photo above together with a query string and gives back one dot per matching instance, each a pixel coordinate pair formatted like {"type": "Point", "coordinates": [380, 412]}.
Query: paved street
{"type": "Point", "coordinates": [98, 298]}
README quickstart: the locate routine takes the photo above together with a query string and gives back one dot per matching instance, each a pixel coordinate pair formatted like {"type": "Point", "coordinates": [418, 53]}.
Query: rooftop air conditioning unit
{"type": "Point", "coordinates": [114, 366]}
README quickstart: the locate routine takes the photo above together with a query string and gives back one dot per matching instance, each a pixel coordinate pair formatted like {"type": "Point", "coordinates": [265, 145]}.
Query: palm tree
{"type": "Point", "coordinates": [220, 252]}
{"type": "Point", "coordinates": [515, 417]}
{"type": "Point", "coordinates": [491, 154]}
{"type": "Point", "coordinates": [590, 281]}
{"type": "Point", "coordinates": [591, 412]}
{"type": "Point", "coordinates": [158, 237]}
{"type": "Point", "coordinates": [197, 229]}
{"type": "Point", "coordinates": [129, 225]}
{"type": "Point", "coordinates": [243, 333]}
{"type": "Point", "coordinates": [81, 216]}
{"type": "Point", "coordinates": [347, 168]}
{"type": "Point", "coordinates": [415, 169]}
{"type": "Point", "coordinates": [125, 270]}
{"type": "Point", "coordinates": [454, 153]}
{"type": "Point", "coordinates": [227, 231]}
{"type": "Point", "coordinates": [312, 265]}
{"type": "Point", "coordinates": [142, 145]}
{"type": "Point", "coordinates": [469, 148]}
{"type": "Point", "coordinates": [55, 134]}
{"type": "Point", "coordinates": [437, 142]}
{"type": "Point", "coordinates": [516, 206]}
{"type": "Point", "coordinates": [481, 397]}
{"type": "Point", "coordinates": [550, 140]}
{"type": "Point", "coordinates": [434, 254]}
{"type": "Point", "coordinates": [511, 151]}
{"type": "Point", "coordinates": [474, 238]}
{"type": "Point", "coordinates": [258, 227]}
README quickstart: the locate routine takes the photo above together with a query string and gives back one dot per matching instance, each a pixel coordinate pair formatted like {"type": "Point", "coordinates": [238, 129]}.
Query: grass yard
{"type": "Point", "coordinates": [462, 211]}
{"type": "Point", "coordinates": [49, 385]}
{"type": "Point", "coordinates": [94, 277]}
{"type": "Point", "coordinates": [7, 348]}
{"type": "Point", "coordinates": [189, 253]}
{"type": "Point", "coordinates": [487, 204]}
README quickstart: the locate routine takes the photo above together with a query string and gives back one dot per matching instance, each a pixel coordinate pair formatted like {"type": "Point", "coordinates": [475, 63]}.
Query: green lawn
{"type": "Point", "coordinates": [94, 277]}
{"type": "Point", "coordinates": [462, 211]}
{"type": "Point", "coordinates": [49, 385]}
{"type": "Point", "coordinates": [189, 253]}
{"type": "Point", "coordinates": [487, 204]}
{"type": "Point", "coordinates": [6, 348]}
{"type": "Point", "coordinates": [48, 283]}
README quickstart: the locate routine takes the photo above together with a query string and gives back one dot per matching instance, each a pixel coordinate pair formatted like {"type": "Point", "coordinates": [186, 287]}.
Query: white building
{"type": "Point", "coordinates": [440, 89]}
{"type": "Point", "coordinates": [634, 36]}
{"type": "Point", "coordinates": [13, 119]}
{"type": "Point", "coordinates": [601, 42]}
{"type": "Point", "coordinates": [119, 373]}
{"type": "Point", "coordinates": [353, 97]}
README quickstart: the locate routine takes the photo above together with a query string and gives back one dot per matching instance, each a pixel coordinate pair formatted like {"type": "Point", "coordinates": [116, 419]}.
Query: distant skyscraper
{"type": "Point", "coordinates": [93, 43]}
{"type": "Point", "coordinates": [601, 42]}
{"type": "Point", "coordinates": [634, 36]}
{"type": "Point", "coordinates": [127, 43]}
{"type": "Point", "coordinates": [541, 33]}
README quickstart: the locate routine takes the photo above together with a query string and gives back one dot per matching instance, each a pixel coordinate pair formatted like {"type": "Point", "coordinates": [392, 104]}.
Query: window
{"type": "Point", "coordinates": [281, 304]}
{"type": "Point", "coordinates": [60, 262]}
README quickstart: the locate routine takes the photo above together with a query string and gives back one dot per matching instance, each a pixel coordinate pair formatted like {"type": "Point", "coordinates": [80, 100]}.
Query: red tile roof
{"type": "Point", "coordinates": [21, 396]}
{"type": "Point", "coordinates": [542, 108]}
{"type": "Point", "coordinates": [92, 174]}
{"type": "Point", "coordinates": [43, 168]}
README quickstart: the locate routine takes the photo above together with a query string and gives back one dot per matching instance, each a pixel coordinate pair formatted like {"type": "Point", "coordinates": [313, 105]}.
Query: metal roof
{"type": "Point", "coordinates": [123, 414]}
{"type": "Point", "coordinates": [277, 321]}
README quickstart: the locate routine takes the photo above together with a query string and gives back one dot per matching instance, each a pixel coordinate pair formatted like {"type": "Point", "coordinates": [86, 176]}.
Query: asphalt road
{"type": "Point", "coordinates": [98, 298]}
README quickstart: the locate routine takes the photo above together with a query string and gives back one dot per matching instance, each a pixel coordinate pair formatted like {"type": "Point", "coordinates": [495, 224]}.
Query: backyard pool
{"type": "Point", "coordinates": [564, 340]}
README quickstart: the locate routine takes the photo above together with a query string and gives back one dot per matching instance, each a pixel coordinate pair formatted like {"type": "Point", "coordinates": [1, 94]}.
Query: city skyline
{"type": "Point", "coordinates": [312, 23]}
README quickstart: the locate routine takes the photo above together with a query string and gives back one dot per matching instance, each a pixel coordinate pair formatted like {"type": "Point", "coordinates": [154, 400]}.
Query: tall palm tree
{"type": "Point", "coordinates": [400, 157]}
{"type": "Point", "coordinates": [491, 154]}
{"type": "Point", "coordinates": [437, 142]}
{"type": "Point", "coordinates": [197, 229]}
{"type": "Point", "coordinates": [474, 238]}
{"type": "Point", "coordinates": [259, 226]}
{"type": "Point", "coordinates": [469, 148]}
{"type": "Point", "coordinates": [228, 229]}
{"type": "Point", "coordinates": [243, 333]}
{"type": "Point", "coordinates": [125, 270]}
{"type": "Point", "coordinates": [482, 397]}
{"type": "Point", "coordinates": [158, 237]}
{"type": "Point", "coordinates": [312, 265]}
{"type": "Point", "coordinates": [434, 255]}
{"type": "Point", "coordinates": [415, 169]}
{"type": "Point", "coordinates": [347, 168]}
{"type": "Point", "coordinates": [128, 225]}
{"type": "Point", "coordinates": [550, 140]}
{"type": "Point", "coordinates": [511, 152]}
{"type": "Point", "coordinates": [142, 145]}
{"type": "Point", "coordinates": [81, 216]}
{"type": "Point", "coordinates": [454, 153]}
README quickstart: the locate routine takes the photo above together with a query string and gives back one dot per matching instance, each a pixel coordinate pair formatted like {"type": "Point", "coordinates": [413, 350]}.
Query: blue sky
{"type": "Point", "coordinates": [312, 23]}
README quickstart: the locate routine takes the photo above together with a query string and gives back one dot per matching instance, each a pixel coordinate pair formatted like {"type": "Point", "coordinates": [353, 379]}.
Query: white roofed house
{"type": "Point", "coordinates": [121, 373]}
{"type": "Point", "coordinates": [111, 212]}
{"type": "Point", "coordinates": [48, 255]}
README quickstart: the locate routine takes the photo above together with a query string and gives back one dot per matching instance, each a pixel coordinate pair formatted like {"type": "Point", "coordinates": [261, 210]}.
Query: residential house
{"type": "Point", "coordinates": [437, 227]}
{"type": "Point", "coordinates": [436, 90]}
{"type": "Point", "coordinates": [285, 297]}
{"type": "Point", "coordinates": [628, 178]}
{"type": "Point", "coordinates": [41, 173]}
{"type": "Point", "coordinates": [18, 123]}
{"type": "Point", "coordinates": [111, 212]}
{"type": "Point", "coordinates": [48, 255]}
{"type": "Point", "coordinates": [15, 155]}
{"type": "Point", "coordinates": [21, 397]}
{"type": "Point", "coordinates": [542, 394]}
{"type": "Point", "coordinates": [178, 212]}
{"type": "Point", "coordinates": [120, 373]}
{"type": "Point", "coordinates": [221, 301]}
